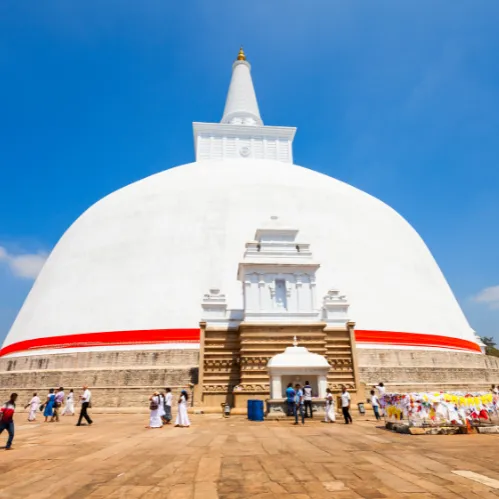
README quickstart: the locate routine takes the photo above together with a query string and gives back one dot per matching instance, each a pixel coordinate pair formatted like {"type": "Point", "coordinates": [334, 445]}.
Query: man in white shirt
{"type": "Point", "coordinates": [381, 390]}
{"type": "Point", "coordinates": [168, 406]}
{"type": "Point", "coordinates": [375, 404]}
{"type": "Point", "coordinates": [307, 399]}
{"type": "Point", "coordinates": [85, 404]}
{"type": "Point", "coordinates": [345, 405]}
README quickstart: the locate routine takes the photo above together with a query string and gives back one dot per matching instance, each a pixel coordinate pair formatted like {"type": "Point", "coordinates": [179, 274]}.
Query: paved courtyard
{"type": "Point", "coordinates": [233, 458]}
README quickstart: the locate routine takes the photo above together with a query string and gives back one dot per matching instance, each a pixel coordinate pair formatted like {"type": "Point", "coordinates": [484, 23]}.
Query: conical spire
{"type": "Point", "coordinates": [241, 107]}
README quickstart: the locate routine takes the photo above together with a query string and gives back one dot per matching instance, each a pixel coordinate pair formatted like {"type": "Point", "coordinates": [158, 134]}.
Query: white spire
{"type": "Point", "coordinates": [241, 133]}
{"type": "Point", "coordinates": [241, 107]}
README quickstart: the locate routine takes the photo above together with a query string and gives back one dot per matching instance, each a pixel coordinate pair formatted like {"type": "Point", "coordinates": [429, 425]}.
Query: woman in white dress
{"type": "Point", "coordinates": [162, 407]}
{"type": "Point", "coordinates": [33, 405]}
{"type": "Point", "coordinates": [330, 416]}
{"type": "Point", "coordinates": [154, 417]}
{"type": "Point", "coordinates": [182, 416]}
{"type": "Point", "coordinates": [69, 408]}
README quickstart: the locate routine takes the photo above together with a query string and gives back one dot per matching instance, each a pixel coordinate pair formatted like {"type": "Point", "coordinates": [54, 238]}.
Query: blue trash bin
{"type": "Point", "coordinates": [258, 410]}
{"type": "Point", "coordinates": [251, 410]}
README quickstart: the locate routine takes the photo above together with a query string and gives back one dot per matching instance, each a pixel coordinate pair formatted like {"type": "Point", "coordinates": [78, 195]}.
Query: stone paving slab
{"type": "Point", "coordinates": [233, 458]}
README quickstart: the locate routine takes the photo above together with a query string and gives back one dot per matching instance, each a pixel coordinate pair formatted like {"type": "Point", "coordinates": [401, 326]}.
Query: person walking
{"type": "Point", "coordinates": [380, 392]}
{"type": "Point", "coordinates": [86, 403]}
{"type": "Point", "coordinates": [154, 408]}
{"type": "Point", "coordinates": [345, 405]}
{"type": "Point", "coordinates": [48, 412]}
{"type": "Point", "coordinates": [69, 408]}
{"type": "Point", "coordinates": [59, 399]}
{"type": "Point", "coordinates": [298, 408]}
{"type": "Point", "coordinates": [33, 405]}
{"type": "Point", "coordinates": [290, 399]}
{"type": "Point", "coordinates": [182, 416]}
{"type": "Point", "coordinates": [375, 405]}
{"type": "Point", "coordinates": [307, 400]}
{"type": "Point", "coordinates": [330, 416]}
{"type": "Point", "coordinates": [7, 419]}
{"type": "Point", "coordinates": [168, 406]}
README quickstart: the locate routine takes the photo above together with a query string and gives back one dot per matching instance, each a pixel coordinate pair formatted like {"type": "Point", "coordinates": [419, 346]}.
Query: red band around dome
{"type": "Point", "coordinates": [158, 336]}
{"type": "Point", "coordinates": [414, 340]}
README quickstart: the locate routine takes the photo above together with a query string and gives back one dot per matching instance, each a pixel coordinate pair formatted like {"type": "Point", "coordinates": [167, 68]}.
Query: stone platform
{"type": "Point", "coordinates": [278, 408]}
{"type": "Point", "coordinates": [235, 458]}
{"type": "Point", "coordinates": [119, 379]}
{"type": "Point", "coordinates": [123, 380]}
{"type": "Point", "coordinates": [427, 370]}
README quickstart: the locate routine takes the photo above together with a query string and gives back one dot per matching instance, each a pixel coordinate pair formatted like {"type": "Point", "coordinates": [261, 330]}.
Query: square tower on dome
{"type": "Point", "coordinates": [278, 275]}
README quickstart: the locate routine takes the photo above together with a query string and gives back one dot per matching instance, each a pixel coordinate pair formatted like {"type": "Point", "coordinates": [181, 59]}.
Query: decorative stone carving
{"type": "Point", "coordinates": [245, 387]}
{"type": "Point", "coordinates": [245, 151]}
{"type": "Point", "coordinates": [214, 304]}
{"type": "Point", "coordinates": [211, 365]}
{"type": "Point", "coordinates": [216, 388]}
{"type": "Point", "coordinates": [335, 308]}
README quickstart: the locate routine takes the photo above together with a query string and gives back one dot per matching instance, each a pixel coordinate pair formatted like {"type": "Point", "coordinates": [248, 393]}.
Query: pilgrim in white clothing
{"type": "Point", "coordinates": [182, 416]}
{"type": "Point", "coordinates": [161, 406]}
{"type": "Point", "coordinates": [33, 405]}
{"type": "Point", "coordinates": [154, 417]}
{"type": "Point", "coordinates": [168, 406]}
{"type": "Point", "coordinates": [330, 416]}
{"type": "Point", "coordinates": [69, 408]}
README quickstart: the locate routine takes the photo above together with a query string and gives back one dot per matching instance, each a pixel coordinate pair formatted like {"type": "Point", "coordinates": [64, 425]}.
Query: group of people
{"type": "Point", "coordinates": [160, 407]}
{"type": "Point", "coordinates": [50, 407]}
{"type": "Point", "coordinates": [299, 403]}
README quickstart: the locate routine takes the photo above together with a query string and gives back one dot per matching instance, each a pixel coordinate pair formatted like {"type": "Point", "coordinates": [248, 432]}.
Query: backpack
{"type": "Point", "coordinates": [154, 404]}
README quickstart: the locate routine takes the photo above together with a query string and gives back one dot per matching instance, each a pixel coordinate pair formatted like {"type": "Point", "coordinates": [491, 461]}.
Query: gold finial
{"type": "Point", "coordinates": [241, 56]}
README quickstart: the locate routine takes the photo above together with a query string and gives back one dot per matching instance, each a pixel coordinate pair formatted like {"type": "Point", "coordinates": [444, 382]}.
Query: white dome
{"type": "Point", "coordinates": [298, 357]}
{"type": "Point", "coordinates": [141, 259]}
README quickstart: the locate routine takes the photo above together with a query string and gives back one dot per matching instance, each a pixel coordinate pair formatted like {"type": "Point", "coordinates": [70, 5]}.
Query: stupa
{"type": "Point", "coordinates": [119, 302]}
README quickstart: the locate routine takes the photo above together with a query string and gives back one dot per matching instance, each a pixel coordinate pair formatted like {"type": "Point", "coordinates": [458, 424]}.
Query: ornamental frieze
{"type": "Point", "coordinates": [219, 364]}
{"type": "Point", "coordinates": [254, 360]}
{"type": "Point", "coordinates": [216, 388]}
{"type": "Point", "coordinates": [259, 387]}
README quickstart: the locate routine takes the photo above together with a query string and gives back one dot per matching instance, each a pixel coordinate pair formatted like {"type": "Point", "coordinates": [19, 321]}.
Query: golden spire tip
{"type": "Point", "coordinates": [241, 56]}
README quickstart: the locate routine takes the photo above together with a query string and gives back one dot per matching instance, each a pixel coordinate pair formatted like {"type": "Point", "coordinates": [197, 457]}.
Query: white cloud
{"type": "Point", "coordinates": [26, 265]}
{"type": "Point", "coordinates": [489, 296]}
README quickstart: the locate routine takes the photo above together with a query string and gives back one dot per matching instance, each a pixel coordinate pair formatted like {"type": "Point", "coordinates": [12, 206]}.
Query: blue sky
{"type": "Point", "coordinates": [400, 99]}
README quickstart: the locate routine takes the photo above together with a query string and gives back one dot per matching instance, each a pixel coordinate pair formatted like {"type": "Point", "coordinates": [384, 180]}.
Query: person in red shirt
{"type": "Point", "coordinates": [7, 419]}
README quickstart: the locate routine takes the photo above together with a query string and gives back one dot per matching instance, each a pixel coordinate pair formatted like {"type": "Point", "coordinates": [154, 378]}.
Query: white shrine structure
{"type": "Point", "coordinates": [297, 365]}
